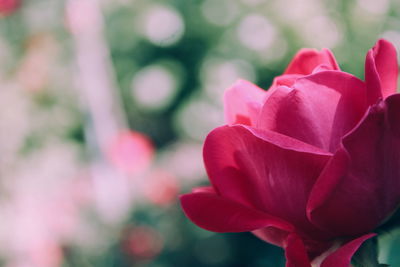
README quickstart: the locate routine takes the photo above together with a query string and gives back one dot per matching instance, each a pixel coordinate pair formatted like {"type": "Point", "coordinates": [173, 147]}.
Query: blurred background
{"type": "Point", "coordinates": [104, 105]}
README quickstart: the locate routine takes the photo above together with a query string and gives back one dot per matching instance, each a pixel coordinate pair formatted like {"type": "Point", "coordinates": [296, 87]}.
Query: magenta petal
{"type": "Point", "coordinates": [218, 214]}
{"type": "Point", "coordinates": [295, 252]}
{"type": "Point", "coordinates": [265, 170]}
{"type": "Point", "coordinates": [342, 256]}
{"type": "Point", "coordinates": [359, 188]}
{"type": "Point", "coordinates": [242, 102]}
{"type": "Point", "coordinates": [319, 110]}
{"type": "Point", "coordinates": [285, 80]}
{"type": "Point", "coordinates": [204, 189]}
{"type": "Point", "coordinates": [272, 235]}
{"type": "Point", "coordinates": [381, 71]}
{"type": "Point", "coordinates": [306, 60]}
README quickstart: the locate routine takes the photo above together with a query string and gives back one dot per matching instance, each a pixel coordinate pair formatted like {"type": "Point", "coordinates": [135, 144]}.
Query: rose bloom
{"type": "Point", "coordinates": [312, 164]}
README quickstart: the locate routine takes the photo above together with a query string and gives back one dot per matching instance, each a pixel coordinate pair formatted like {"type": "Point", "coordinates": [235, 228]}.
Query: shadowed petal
{"type": "Point", "coordinates": [359, 187]}
{"type": "Point", "coordinates": [342, 256]}
{"type": "Point", "coordinates": [265, 170]}
{"type": "Point", "coordinates": [218, 214]}
{"type": "Point", "coordinates": [295, 252]}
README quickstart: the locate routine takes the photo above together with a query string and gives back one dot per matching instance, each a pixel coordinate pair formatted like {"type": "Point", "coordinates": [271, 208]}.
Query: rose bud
{"type": "Point", "coordinates": [312, 164]}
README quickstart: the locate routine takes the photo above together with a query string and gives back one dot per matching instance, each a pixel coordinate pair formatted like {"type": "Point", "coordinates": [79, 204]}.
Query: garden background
{"type": "Point", "coordinates": [104, 106]}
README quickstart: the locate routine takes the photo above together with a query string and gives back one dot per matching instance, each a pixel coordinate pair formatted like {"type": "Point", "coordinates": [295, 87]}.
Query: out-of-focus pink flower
{"type": "Point", "coordinates": [8, 7]}
{"type": "Point", "coordinates": [34, 72]}
{"type": "Point", "coordinates": [161, 187]}
{"type": "Point", "coordinates": [312, 165]}
{"type": "Point", "coordinates": [144, 242]}
{"type": "Point", "coordinates": [131, 152]}
{"type": "Point", "coordinates": [45, 254]}
{"type": "Point", "coordinates": [41, 220]}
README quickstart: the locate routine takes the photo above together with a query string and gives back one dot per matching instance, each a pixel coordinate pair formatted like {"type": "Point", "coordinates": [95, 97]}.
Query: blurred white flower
{"type": "Point", "coordinates": [162, 25]}
{"type": "Point", "coordinates": [295, 11]}
{"type": "Point", "coordinates": [154, 87]}
{"type": "Point", "coordinates": [320, 32]}
{"type": "Point", "coordinates": [256, 32]}
{"type": "Point", "coordinates": [197, 117]}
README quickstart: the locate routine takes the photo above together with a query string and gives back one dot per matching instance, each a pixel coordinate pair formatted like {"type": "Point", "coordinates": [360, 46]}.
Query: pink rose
{"type": "Point", "coordinates": [312, 164]}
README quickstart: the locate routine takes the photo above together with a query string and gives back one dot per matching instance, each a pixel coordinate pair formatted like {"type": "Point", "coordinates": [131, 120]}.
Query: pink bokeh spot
{"type": "Point", "coordinates": [161, 188]}
{"type": "Point", "coordinates": [143, 243]}
{"type": "Point", "coordinates": [131, 152]}
{"type": "Point", "coordinates": [7, 7]}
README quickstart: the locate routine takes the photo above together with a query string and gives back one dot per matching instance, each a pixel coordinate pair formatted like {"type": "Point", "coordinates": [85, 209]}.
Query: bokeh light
{"type": "Point", "coordinates": [256, 32]}
{"type": "Point", "coordinates": [131, 152]}
{"type": "Point", "coordinates": [162, 25]}
{"type": "Point", "coordinates": [154, 87]}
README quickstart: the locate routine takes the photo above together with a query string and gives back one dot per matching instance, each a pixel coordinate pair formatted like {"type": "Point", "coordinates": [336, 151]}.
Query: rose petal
{"type": "Point", "coordinates": [342, 256]}
{"type": "Point", "coordinates": [319, 110]}
{"type": "Point", "coordinates": [204, 189]}
{"type": "Point", "coordinates": [271, 235]}
{"type": "Point", "coordinates": [381, 71]}
{"type": "Point", "coordinates": [242, 103]}
{"type": "Point", "coordinates": [285, 80]}
{"type": "Point", "coordinates": [295, 252]}
{"type": "Point", "coordinates": [306, 60]}
{"type": "Point", "coordinates": [218, 214]}
{"type": "Point", "coordinates": [265, 170]}
{"type": "Point", "coordinates": [359, 187]}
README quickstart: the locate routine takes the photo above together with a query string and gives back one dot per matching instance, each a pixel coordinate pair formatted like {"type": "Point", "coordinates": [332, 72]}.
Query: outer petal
{"type": "Point", "coordinates": [319, 110]}
{"type": "Point", "coordinates": [359, 188]}
{"type": "Point", "coordinates": [342, 256]}
{"type": "Point", "coordinates": [265, 170]}
{"type": "Point", "coordinates": [381, 71]}
{"type": "Point", "coordinates": [271, 235]}
{"type": "Point", "coordinates": [242, 103]}
{"type": "Point", "coordinates": [297, 254]}
{"type": "Point", "coordinates": [306, 60]}
{"type": "Point", "coordinates": [218, 214]}
{"type": "Point", "coordinates": [204, 189]}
